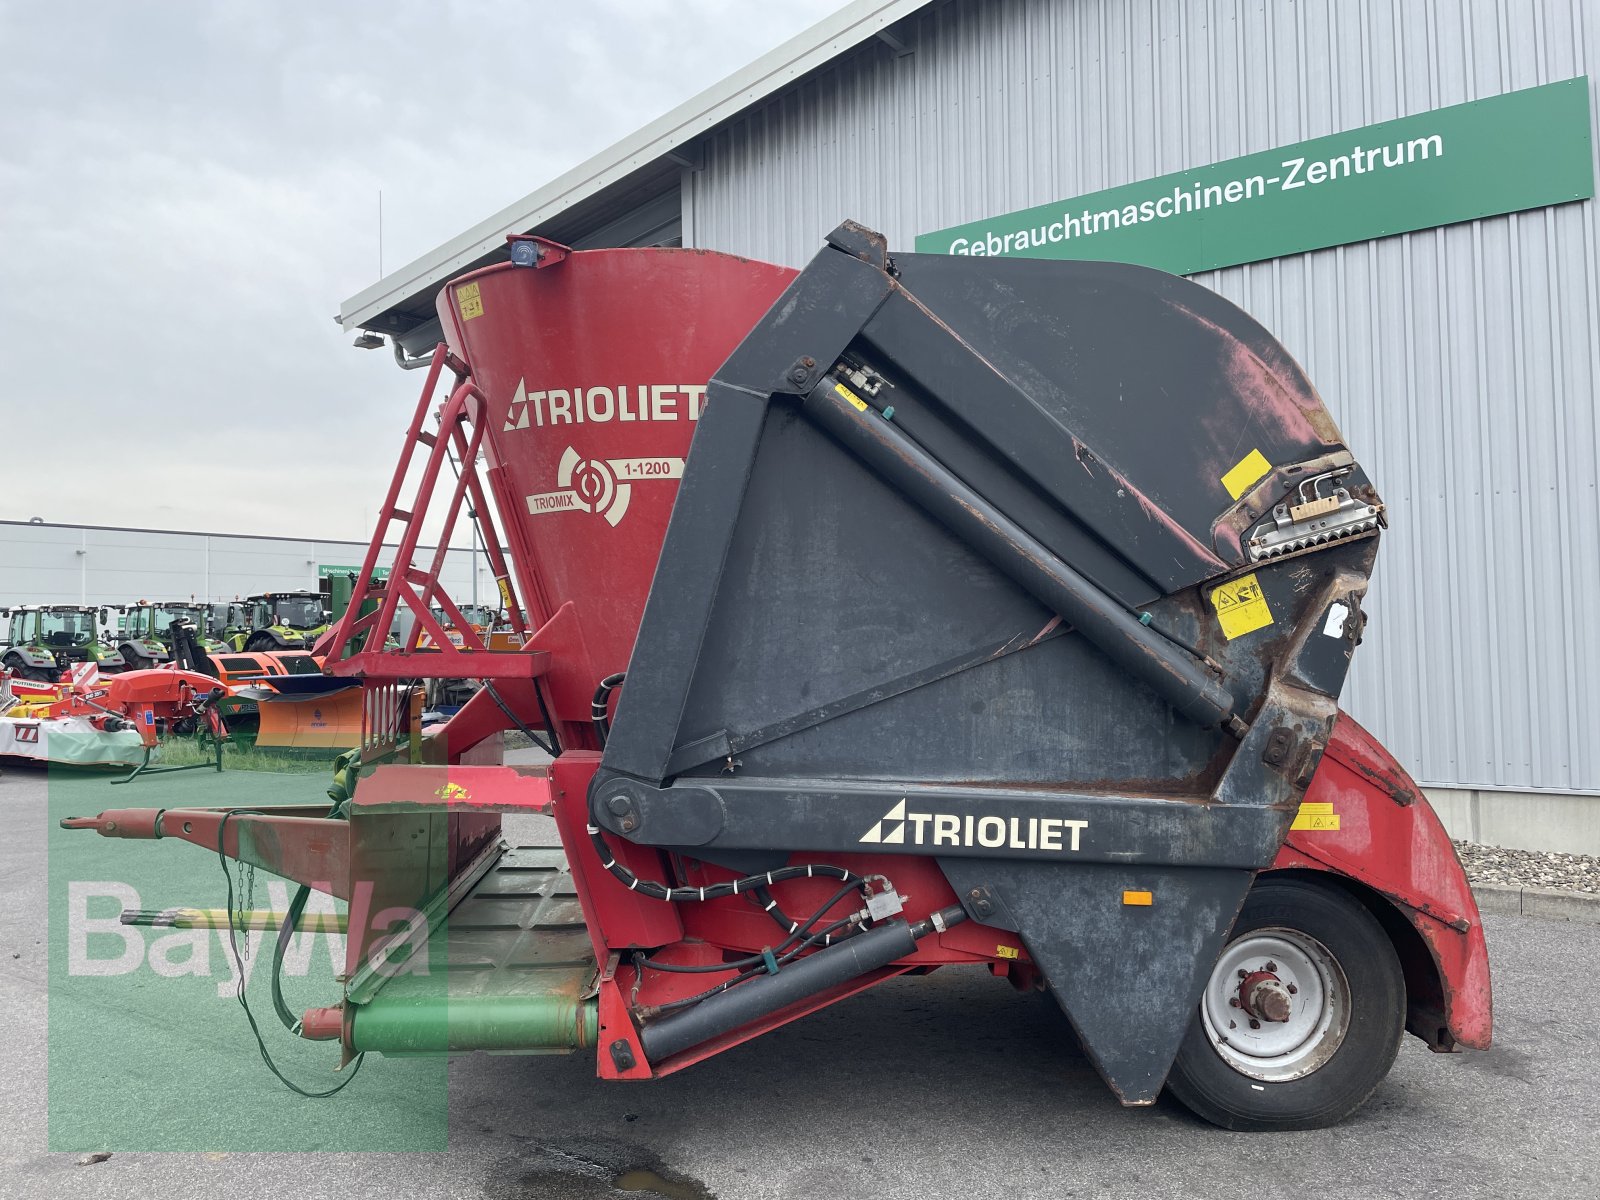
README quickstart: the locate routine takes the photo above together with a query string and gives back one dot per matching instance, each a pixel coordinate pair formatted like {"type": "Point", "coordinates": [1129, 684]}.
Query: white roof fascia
{"type": "Point", "coordinates": [824, 41]}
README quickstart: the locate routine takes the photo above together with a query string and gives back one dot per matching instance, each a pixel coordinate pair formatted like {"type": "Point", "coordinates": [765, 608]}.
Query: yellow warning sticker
{"type": "Point", "coordinates": [1006, 952]}
{"type": "Point", "coordinates": [1246, 473]}
{"type": "Point", "coordinates": [859, 404]}
{"type": "Point", "coordinates": [1316, 815]}
{"type": "Point", "coordinates": [470, 301]}
{"type": "Point", "coordinates": [505, 593]}
{"type": "Point", "coordinates": [1241, 608]}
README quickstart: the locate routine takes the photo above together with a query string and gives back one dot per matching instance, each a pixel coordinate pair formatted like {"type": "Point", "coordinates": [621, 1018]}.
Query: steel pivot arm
{"type": "Point", "coordinates": [298, 842]}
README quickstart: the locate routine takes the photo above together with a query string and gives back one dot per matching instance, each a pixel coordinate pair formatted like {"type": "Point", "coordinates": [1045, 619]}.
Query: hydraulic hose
{"type": "Point", "coordinates": [599, 707]}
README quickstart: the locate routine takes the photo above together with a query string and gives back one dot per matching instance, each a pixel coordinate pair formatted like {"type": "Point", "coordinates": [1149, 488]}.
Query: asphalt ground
{"type": "Point", "coordinates": [950, 1085]}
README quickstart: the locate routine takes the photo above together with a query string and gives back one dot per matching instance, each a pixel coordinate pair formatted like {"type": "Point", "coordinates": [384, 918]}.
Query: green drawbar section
{"type": "Point", "coordinates": [449, 1025]}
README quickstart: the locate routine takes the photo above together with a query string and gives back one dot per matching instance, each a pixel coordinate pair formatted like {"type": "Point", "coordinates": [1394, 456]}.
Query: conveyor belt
{"type": "Point", "coordinates": [506, 972]}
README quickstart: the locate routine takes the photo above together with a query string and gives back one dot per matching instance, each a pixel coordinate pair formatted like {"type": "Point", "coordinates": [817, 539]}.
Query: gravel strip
{"type": "Point", "coordinates": [1530, 868]}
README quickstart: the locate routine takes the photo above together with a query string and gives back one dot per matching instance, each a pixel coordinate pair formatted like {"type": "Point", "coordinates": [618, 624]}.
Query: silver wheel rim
{"type": "Point", "coordinates": [1319, 1006]}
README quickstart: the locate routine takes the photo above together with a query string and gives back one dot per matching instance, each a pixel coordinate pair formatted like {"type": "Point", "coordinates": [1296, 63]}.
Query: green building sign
{"type": "Point", "coordinates": [326, 569]}
{"type": "Point", "coordinates": [1517, 151]}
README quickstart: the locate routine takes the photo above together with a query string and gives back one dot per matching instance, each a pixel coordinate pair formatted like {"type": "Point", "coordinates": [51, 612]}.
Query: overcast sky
{"type": "Point", "coordinates": [188, 190]}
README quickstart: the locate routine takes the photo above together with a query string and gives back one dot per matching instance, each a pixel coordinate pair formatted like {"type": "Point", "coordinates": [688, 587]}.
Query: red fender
{"type": "Point", "coordinates": [1364, 818]}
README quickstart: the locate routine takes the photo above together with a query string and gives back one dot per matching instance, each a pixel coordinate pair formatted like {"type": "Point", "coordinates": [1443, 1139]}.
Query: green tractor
{"type": "Point", "coordinates": [276, 621]}
{"type": "Point", "coordinates": [145, 634]}
{"type": "Point", "coordinates": [44, 639]}
{"type": "Point", "coordinates": [338, 593]}
{"type": "Point", "coordinates": [231, 623]}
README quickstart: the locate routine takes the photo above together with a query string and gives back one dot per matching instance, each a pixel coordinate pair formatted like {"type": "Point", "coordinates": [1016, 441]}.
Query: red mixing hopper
{"type": "Point", "coordinates": [594, 375]}
{"type": "Point", "coordinates": [579, 388]}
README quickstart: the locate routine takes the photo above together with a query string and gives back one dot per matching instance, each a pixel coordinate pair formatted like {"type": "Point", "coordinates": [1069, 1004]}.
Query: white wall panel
{"type": "Point", "coordinates": [69, 564]}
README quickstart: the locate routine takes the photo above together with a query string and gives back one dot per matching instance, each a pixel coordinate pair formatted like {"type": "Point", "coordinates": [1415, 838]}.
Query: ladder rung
{"type": "Point", "coordinates": [427, 439]}
{"type": "Point", "coordinates": [400, 514]}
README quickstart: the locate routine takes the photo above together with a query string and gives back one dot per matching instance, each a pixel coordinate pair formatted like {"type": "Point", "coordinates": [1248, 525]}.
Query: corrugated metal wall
{"type": "Point", "coordinates": [77, 564]}
{"type": "Point", "coordinates": [1462, 363]}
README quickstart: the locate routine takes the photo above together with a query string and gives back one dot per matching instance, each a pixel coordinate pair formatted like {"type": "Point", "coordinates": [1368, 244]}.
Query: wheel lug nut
{"type": "Point", "coordinates": [1243, 973]}
{"type": "Point", "coordinates": [1233, 1002]}
{"type": "Point", "coordinates": [1293, 990]}
{"type": "Point", "coordinates": [1272, 966]}
{"type": "Point", "coordinates": [1254, 1024]}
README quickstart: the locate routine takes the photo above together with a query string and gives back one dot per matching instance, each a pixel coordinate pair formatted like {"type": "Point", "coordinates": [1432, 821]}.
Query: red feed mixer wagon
{"type": "Point", "coordinates": [894, 614]}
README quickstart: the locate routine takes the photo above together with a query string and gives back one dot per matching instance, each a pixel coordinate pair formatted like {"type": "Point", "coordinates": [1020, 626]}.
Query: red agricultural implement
{"type": "Point", "coordinates": [890, 615]}
{"type": "Point", "coordinates": [159, 699]}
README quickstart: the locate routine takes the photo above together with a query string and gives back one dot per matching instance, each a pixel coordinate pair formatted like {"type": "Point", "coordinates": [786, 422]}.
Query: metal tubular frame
{"type": "Point", "coordinates": [418, 587]}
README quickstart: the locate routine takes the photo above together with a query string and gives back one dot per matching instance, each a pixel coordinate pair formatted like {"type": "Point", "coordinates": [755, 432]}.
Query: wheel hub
{"type": "Point", "coordinates": [1263, 995]}
{"type": "Point", "coordinates": [1277, 1005]}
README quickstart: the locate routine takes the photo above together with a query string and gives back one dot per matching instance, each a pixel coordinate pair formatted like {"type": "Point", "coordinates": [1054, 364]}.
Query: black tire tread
{"type": "Point", "coordinates": [1214, 1091]}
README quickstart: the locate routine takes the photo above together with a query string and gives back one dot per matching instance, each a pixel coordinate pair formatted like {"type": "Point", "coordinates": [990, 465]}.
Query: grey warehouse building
{"type": "Point", "coordinates": [1400, 192]}
{"type": "Point", "coordinates": [43, 562]}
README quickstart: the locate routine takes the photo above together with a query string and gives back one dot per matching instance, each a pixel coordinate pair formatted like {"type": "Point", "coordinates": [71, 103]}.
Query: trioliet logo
{"type": "Point", "coordinates": [600, 405]}
{"type": "Point", "coordinates": [901, 828]}
{"type": "Point", "coordinates": [602, 485]}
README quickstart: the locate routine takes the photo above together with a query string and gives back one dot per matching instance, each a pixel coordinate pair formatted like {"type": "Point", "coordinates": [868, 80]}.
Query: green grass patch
{"type": "Point", "coordinates": [184, 752]}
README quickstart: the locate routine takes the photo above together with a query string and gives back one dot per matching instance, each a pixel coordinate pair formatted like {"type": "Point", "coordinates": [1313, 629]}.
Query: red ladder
{"type": "Point", "coordinates": [363, 637]}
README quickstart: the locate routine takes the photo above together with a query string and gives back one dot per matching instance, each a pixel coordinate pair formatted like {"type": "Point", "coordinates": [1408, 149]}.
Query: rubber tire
{"type": "Point", "coordinates": [133, 661]}
{"type": "Point", "coordinates": [1211, 1089]}
{"type": "Point", "coordinates": [35, 674]}
{"type": "Point", "coordinates": [262, 643]}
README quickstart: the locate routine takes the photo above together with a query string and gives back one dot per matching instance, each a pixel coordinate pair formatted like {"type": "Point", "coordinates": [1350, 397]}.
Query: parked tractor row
{"type": "Point", "coordinates": [83, 696]}
{"type": "Point", "coordinates": [43, 641]}
{"type": "Point", "coordinates": [92, 685]}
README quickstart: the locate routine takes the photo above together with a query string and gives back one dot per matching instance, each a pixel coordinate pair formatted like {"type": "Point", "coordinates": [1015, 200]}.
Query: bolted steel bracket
{"type": "Point", "coordinates": [980, 903]}
{"type": "Point", "coordinates": [622, 1055]}
{"type": "Point", "coordinates": [803, 373]}
{"type": "Point", "coordinates": [530, 250]}
{"type": "Point", "coordinates": [1279, 744]}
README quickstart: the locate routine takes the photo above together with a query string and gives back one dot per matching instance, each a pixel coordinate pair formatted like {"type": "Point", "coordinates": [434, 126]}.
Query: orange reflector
{"type": "Point", "coordinates": [1142, 899]}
